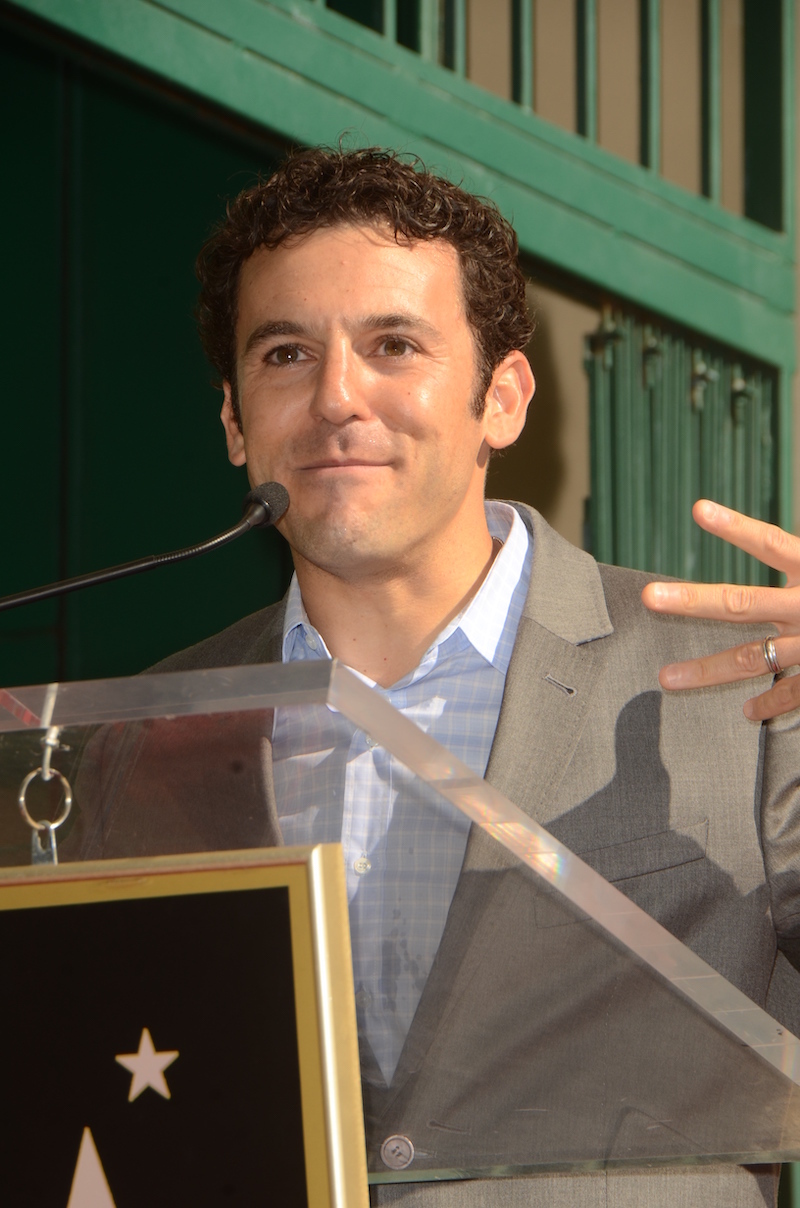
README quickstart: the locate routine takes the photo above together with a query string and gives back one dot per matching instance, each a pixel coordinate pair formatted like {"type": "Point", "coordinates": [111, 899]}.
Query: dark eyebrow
{"type": "Point", "coordinates": [277, 327]}
{"type": "Point", "coordinates": [399, 320]}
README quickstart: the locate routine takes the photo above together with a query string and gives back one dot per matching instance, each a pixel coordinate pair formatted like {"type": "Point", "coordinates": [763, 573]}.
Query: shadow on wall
{"type": "Point", "coordinates": [549, 465]}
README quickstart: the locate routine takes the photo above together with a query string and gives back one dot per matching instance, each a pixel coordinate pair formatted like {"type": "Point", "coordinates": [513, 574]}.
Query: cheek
{"type": "Point", "coordinates": [414, 408]}
{"type": "Point", "coordinates": [267, 423]}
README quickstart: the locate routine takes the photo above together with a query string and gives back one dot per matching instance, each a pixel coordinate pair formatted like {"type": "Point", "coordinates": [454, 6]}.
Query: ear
{"type": "Point", "coordinates": [507, 399]}
{"type": "Point", "coordinates": [233, 433]}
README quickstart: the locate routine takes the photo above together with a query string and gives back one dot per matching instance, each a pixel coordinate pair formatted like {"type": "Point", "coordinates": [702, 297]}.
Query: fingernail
{"type": "Point", "coordinates": [659, 592]}
{"type": "Point", "coordinates": [671, 677]}
{"type": "Point", "coordinates": [749, 709]}
{"type": "Point", "coordinates": [713, 512]}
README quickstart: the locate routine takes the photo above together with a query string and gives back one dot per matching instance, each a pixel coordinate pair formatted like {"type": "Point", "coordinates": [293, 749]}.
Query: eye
{"type": "Point", "coordinates": [394, 346]}
{"type": "Point", "coordinates": [285, 354]}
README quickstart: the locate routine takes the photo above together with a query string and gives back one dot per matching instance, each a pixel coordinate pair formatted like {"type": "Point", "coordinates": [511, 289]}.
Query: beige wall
{"type": "Point", "coordinates": [554, 62]}
{"type": "Point", "coordinates": [489, 45]}
{"type": "Point", "coordinates": [549, 465]}
{"type": "Point", "coordinates": [680, 93]}
{"type": "Point", "coordinates": [618, 77]}
{"type": "Point", "coordinates": [732, 103]}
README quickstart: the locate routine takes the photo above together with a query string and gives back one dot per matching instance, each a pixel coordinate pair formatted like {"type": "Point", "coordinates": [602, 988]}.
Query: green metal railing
{"type": "Point", "coordinates": [674, 419]}
{"type": "Point", "coordinates": [439, 31]}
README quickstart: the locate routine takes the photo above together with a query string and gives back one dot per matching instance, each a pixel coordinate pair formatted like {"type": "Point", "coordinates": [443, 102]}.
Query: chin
{"type": "Point", "coordinates": [338, 544]}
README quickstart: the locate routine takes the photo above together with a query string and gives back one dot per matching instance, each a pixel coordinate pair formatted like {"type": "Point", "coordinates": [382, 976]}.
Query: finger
{"type": "Point", "coordinates": [725, 602]}
{"type": "Point", "coordinates": [782, 697]}
{"type": "Point", "coordinates": [770, 544]}
{"type": "Point", "coordinates": [728, 666]}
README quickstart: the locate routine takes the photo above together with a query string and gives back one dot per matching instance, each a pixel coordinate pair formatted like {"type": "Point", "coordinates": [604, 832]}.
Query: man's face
{"type": "Point", "coordinates": [356, 370]}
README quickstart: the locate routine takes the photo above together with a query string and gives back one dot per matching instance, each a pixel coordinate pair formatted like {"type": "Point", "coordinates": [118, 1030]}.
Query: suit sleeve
{"type": "Point", "coordinates": [780, 828]}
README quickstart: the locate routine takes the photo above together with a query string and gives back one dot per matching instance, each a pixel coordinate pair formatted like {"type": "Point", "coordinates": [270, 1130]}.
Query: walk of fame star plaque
{"type": "Point", "coordinates": [182, 1032]}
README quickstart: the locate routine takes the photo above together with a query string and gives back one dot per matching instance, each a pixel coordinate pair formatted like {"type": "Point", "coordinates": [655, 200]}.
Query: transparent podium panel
{"type": "Point", "coordinates": [556, 1025]}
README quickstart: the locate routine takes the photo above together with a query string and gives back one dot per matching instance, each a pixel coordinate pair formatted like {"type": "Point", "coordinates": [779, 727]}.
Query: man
{"type": "Point", "coordinates": [367, 322]}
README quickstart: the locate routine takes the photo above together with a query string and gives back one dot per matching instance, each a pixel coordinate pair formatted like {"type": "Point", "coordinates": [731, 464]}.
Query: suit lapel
{"type": "Point", "coordinates": [267, 647]}
{"type": "Point", "coordinates": [553, 676]}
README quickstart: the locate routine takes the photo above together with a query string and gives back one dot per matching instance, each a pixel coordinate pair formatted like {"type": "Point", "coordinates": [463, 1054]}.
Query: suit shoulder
{"type": "Point", "coordinates": [623, 591]}
{"type": "Point", "coordinates": [253, 639]}
{"type": "Point", "coordinates": [623, 588]}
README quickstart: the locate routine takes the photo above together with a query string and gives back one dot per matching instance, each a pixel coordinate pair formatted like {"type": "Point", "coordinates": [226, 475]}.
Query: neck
{"type": "Point", "coordinates": [381, 624]}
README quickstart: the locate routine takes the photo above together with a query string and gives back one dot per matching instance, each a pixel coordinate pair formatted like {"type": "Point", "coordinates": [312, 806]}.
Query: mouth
{"type": "Point", "coordinates": [349, 463]}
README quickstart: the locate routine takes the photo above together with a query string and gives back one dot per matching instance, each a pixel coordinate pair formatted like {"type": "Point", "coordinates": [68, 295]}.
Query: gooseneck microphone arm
{"type": "Point", "coordinates": [262, 507]}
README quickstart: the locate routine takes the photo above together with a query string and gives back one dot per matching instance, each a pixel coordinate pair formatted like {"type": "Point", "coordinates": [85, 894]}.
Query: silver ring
{"type": "Point", "coordinates": [65, 808]}
{"type": "Point", "coordinates": [771, 656]}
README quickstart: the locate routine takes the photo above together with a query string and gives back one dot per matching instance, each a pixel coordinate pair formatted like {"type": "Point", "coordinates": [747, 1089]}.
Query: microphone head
{"type": "Point", "coordinates": [273, 499]}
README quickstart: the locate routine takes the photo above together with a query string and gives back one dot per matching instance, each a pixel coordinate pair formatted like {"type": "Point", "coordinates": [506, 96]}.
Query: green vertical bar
{"type": "Point", "coordinates": [676, 402]}
{"type": "Point", "coordinates": [765, 113]}
{"type": "Point", "coordinates": [769, 464]}
{"type": "Point", "coordinates": [708, 472]}
{"type": "Point", "coordinates": [672, 451]}
{"type": "Point", "coordinates": [739, 500]}
{"type": "Point", "coordinates": [390, 20]}
{"type": "Point", "coordinates": [586, 47]}
{"type": "Point", "coordinates": [789, 119]}
{"type": "Point", "coordinates": [621, 404]}
{"type": "Point", "coordinates": [690, 477]}
{"type": "Point", "coordinates": [640, 438]}
{"type": "Point", "coordinates": [684, 563]}
{"type": "Point", "coordinates": [712, 91]}
{"type": "Point", "coordinates": [458, 10]}
{"type": "Point", "coordinates": [428, 27]}
{"type": "Point", "coordinates": [522, 53]}
{"type": "Point", "coordinates": [661, 434]}
{"type": "Point", "coordinates": [650, 75]}
{"type": "Point", "coordinates": [726, 445]}
{"type": "Point", "coordinates": [654, 378]}
{"type": "Point", "coordinates": [717, 434]}
{"type": "Point", "coordinates": [750, 569]}
{"type": "Point", "coordinates": [783, 425]}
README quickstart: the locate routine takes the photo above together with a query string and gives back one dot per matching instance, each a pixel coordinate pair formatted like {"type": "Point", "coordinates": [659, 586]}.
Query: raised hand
{"type": "Point", "coordinates": [777, 608]}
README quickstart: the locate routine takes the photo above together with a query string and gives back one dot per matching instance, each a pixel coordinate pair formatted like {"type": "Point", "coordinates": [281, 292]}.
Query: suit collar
{"type": "Point", "coordinates": [266, 647]}
{"type": "Point", "coordinates": [566, 594]}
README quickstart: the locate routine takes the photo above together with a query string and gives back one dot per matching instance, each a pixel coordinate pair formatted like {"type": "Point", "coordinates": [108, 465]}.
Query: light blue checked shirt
{"type": "Point", "coordinates": [403, 843]}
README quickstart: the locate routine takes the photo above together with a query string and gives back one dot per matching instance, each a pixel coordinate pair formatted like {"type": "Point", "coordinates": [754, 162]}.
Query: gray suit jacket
{"type": "Point", "coordinates": [689, 807]}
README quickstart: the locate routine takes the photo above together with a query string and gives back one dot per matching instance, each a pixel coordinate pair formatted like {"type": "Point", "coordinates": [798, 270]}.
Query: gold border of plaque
{"type": "Point", "coordinates": [333, 1125]}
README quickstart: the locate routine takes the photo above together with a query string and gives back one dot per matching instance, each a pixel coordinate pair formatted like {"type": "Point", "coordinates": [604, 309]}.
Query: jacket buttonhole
{"type": "Point", "coordinates": [551, 679]}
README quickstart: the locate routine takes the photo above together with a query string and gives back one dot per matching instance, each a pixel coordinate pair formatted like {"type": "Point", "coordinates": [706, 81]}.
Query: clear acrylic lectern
{"type": "Point", "coordinates": [560, 1026]}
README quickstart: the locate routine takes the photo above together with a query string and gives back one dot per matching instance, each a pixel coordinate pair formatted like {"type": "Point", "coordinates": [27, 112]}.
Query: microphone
{"type": "Point", "coordinates": [262, 507]}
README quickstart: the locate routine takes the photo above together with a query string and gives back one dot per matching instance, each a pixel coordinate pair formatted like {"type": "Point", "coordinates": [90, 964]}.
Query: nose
{"type": "Point", "coordinates": [340, 390]}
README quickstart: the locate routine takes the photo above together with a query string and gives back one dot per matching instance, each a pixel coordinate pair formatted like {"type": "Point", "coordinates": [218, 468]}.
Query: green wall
{"type": "Point", "coordinates": [111, 444]}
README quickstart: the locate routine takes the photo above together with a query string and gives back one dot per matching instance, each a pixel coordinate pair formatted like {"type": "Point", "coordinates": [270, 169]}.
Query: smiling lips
{"type": "Point", "coordinates": [349, 463]}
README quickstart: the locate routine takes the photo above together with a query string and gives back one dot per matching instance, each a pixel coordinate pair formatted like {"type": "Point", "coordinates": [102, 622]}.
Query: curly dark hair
{"type": "Point", "coordinates": [325, 186]}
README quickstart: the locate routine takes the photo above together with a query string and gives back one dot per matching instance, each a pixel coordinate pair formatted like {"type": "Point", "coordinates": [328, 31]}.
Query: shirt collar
{"type": "Point", "coordinates": [483, 620]}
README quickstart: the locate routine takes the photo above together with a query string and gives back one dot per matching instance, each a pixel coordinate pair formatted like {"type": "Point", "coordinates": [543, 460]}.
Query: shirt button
{"type": "Point", "coordinates": [397, 1152]}
{"type": "Point", "coordinates": [361, 865]}
{"type": "Point", "coordinates": [363, 999]}
{"type": "Point", "coordinates": [311, 641]}
{"type": "Point", "coordinates": [372, 743]}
